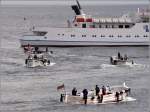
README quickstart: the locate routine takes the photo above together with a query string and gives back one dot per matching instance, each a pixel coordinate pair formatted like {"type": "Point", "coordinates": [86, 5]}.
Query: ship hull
{"type": "Point", "coordinates": [52, 43]}
{"type": "Point", "coordinates": [135, 36]}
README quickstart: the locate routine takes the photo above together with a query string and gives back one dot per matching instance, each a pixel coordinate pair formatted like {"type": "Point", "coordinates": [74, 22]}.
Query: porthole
{"type": "Point", "coordinates": [128, 36]}
{"type": "Point", "coordinates": [93, 35]}
{"type": "Point", "coordinates": [72, 35]}
{"type": "Point", "coordinates": [83, 35]}
{"type": "Point", "coordinates": [119, 35]}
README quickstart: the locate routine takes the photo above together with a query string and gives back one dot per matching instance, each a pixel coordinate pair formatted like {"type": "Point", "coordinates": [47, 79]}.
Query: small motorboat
{"type": "Point", "coordinates": [35, 60]}
{"type": "Point", "coordinates": [120, 60]}
{"type": "Point", "coordinates": [110, 97]}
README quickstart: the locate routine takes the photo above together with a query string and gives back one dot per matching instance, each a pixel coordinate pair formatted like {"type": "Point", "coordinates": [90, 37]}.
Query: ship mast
{"type": "Point", "coordinates": [149, 32]}
{"type": "Point", "coordinates": [77, 8]}
{"type": "Point", "coordinates": [80, 8]}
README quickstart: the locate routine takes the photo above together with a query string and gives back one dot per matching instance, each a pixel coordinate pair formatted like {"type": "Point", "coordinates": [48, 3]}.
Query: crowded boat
{"type": "Point", "coordinates": [100, 95]}
{"type": "Point", "coordinates": [37, 57]}
{"type": "Point", "coordinates": [35, 60]}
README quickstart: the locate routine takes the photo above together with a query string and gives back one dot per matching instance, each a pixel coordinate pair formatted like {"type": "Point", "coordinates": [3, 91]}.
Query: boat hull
{"type": "Point", "coordinates": [31, 63]}
{"type": "Point", "coordinates": [106, 99]}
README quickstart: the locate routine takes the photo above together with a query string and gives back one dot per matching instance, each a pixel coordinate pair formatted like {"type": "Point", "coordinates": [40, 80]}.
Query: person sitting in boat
{"type": "Point", "coordinates": [36, 49]}
{"type": "Point", "coordinates": [103, 90]}
{"type": "Point", "coordinates": [97, 90]}
{"type": "Point", "coordinates": [44, 61]}
{"type": "Point", "coordinates": [125, 57]}
{"type": "Point", "coordinates": [35, 57]}
{"type": "Point", "coordinates": [29, 57]}
{"type": "Point", "coordinates": [128, 91]}
{"type": "Point", "coordinates": [74, 91]}
{"type": "Point", "coordinates": [85, 95]}
{"type": "Point", "coordinates": [121, 57]}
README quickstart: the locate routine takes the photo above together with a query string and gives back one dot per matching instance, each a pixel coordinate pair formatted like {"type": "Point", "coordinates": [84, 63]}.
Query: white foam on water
{"type": "Point", "coordinates": [12, 60]}
{"type": "Point", "coordinates": [52, 64]}
{"type": "Point", "coordinates": [72, 55]}
{"type": "Point", "coordinates": [128, 64]}
{"type": "Point", "coordinates": [107, 66]}
{"type": "Point", "coordinates": [135, 65]}
{"type": "Point", "coordinates": [129, 99]}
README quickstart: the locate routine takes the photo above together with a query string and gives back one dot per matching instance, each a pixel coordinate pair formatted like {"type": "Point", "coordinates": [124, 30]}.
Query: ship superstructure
{"type": "Point", "coordinates": [85, 30]}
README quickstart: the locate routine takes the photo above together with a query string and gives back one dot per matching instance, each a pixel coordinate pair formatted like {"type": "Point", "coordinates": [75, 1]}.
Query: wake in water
{"type": "Point", "coordinates": [135, 65]}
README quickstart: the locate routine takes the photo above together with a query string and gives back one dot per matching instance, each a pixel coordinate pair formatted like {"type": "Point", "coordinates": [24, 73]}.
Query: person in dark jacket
{"type": "Point", "coordinates": [103, 90]}
{"type": "Point", "coordinates": [61, 98]}
{"type": "Point", "coordinates": [97, 90]}
{"type": "Point", "coordinates": [119, 55]}
{"type": "Point", "coordinates": [117, 96]}
{"type": "Point", "coordinates": [100, 98]}
{"type": "Point", "coordinates": [85, 95]}
{"type": "Point", "coordinates": [74, 91]}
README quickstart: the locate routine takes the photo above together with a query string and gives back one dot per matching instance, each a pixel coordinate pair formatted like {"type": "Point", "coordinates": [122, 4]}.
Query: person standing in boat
{"type": "Point", "coordinates": [85, 95]}
{"type": "Point", "coordinates": [97, 90]}
{"type": "Point", "coordinates": [119, 55]}
{"type": "Point", "coordinates": [61, 97]}
{"type": "Point", "coordinates": [117, 96]}
{"type": "Point", "coordinates": [74, 91]}
{"type": "Point", "coordinates": [108, 90]}
{"type": "Point", "coordinates": [100, 98]}
{"type": "Point", "coordinates": [121, 94]}
{"type": "Point", "coordinates": [103, 90]}
{"type": "Point", "coordinates": [132, 62]}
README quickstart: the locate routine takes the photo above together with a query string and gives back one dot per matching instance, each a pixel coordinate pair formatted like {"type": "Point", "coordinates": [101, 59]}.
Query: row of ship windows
{"type": "Point", "coordinates": [108, 26]}
{"type": "Point", "coordinates": [106, 36]}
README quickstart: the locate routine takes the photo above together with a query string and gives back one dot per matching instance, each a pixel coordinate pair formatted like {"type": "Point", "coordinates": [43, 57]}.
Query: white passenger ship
{"type": "Point", "coordinates": [85, 30]}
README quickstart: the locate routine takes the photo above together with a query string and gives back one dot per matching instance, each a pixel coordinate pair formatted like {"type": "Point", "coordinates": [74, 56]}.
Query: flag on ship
{"type": "Point", "coordinates": [61, 87]}
{"type": "Point", "coordinates": [28, 49]}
